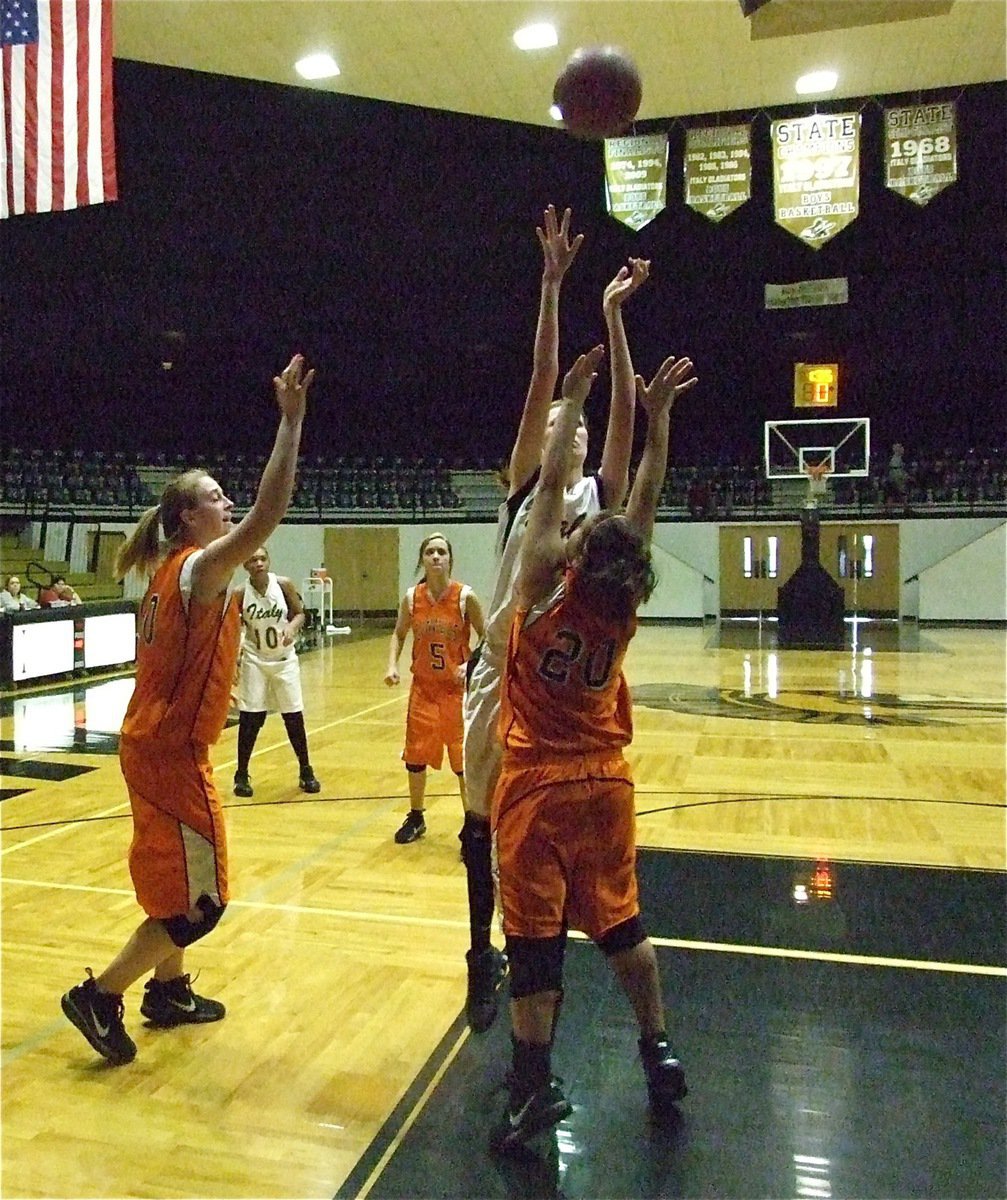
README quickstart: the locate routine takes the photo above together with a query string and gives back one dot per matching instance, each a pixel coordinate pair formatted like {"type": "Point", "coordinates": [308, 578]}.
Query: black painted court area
{"type": "Point", "coordinates": [808, 1078]}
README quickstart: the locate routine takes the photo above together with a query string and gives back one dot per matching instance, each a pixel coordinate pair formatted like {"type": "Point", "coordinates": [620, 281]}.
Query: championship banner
{"type": "Point", "coordinates": [808, 293]}
{"type": "Point", "coordinates": [718, 169]}
{"type": "Point", "coordinates": [921, 150]}
{"type": "Point", "coordinates": [816, 175]}
{"type": "Point", "coordinates": [636, 178]}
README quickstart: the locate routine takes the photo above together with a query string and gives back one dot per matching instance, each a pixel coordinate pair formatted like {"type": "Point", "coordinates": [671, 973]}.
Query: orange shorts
{"type": "Point", "coordinates": [179, 848]}
{"type": "Point", "coordinates": [564, 835]}
{"type": "Point", "coordinates": [434, 720]}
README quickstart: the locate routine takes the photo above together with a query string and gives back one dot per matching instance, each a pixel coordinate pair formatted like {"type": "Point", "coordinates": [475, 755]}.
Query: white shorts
{"type": "Point", "coordinates": [482, 750]}
{"type": "Point", "coordinates": [270, 686]}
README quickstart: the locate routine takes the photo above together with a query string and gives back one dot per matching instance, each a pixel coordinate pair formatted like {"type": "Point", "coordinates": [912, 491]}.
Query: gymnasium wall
{"type": "Point", "coordinates": [951, 569]}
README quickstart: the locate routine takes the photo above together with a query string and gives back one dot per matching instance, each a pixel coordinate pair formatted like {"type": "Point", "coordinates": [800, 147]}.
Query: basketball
{"type": "Point", "coordinates": [598, 92]}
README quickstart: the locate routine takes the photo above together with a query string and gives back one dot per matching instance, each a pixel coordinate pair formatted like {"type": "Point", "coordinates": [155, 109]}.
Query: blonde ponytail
{"type": "Point", "coordinates": [144, 549]}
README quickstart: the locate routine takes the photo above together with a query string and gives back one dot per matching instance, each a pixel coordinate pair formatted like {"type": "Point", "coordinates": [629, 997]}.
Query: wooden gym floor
{"type": "Point", "coordinates": [822, 865]}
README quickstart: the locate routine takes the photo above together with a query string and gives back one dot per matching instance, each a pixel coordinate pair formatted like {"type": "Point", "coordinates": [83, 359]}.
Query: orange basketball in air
{"type": "Point", "coordinates": [598, 92]}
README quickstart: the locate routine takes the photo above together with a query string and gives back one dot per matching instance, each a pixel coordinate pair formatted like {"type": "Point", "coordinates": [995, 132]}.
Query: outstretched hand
{"type": "Point", "coordinates": [625, 283]}
{"type": "Point", "coordinates": [557, 249]}
{"type": "Point", "coordinates": [577, 381]}
{"type": "Point", "coordinates": [673, 377]}
{"type": "Point", "coordinates": [291, 387]}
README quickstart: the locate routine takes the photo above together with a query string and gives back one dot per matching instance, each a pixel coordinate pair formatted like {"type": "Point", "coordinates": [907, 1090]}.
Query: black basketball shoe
{"type": "Point", "coordinates": [98, 1015]}
{"type": "Point", "coordinates": [528, 1116]}
{"type": "Point", "coordinates": [175, 1003]}
{"type": "Point", "coordinates": [665, 1074]}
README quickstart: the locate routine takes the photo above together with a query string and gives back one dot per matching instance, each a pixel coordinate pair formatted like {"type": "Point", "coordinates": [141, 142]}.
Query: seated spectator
{"type": "Point", "coordinates": [59, 594]}
{"type": "Point", "coordinates": [12, 599]}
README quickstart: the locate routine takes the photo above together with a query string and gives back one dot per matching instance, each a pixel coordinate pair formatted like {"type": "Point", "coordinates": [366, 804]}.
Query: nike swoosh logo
{"type": "Point", "coordinates": [516, 1118]}
{"type": "Point", "coordinates": [190, 1006]}
{"type": "Point", "coordinates": [102, 1029]}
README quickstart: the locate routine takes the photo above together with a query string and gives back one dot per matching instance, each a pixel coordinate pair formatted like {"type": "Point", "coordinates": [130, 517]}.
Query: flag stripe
{"type": "Point", "coordinates": [17, 129]}
{"type": "Point", "coordinates": [103, 74]}
{"type": "Point", "coordinates": [4, 136]}
{"type": "Point", "coordinates": [56, 83]}
{"type": "Point", "coordinates": [56, 110]}
{"type": "Point", "coordinates": [43, 121]}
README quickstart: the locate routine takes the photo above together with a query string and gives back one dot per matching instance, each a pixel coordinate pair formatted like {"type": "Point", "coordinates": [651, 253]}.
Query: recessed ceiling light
{"type": "Point", "coordinates": [555, 112]}
{"type": "Point", "coordinates": [535, 37]}
{"type": "Point", "coordinates": [316, 66]}
{"type": "Point", "coordinates": [816, 81]}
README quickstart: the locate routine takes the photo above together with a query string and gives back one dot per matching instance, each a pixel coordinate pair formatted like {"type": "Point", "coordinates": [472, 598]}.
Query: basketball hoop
{"type": "Point", "coordinates": [818, 481]}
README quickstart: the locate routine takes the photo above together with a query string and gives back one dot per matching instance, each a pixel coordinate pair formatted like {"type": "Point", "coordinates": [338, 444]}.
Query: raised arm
{"type": "Point", "coordinates": [544, 549]}
{"type": "Point", "coordinates": [619, 434]}
{"type": "Point", "coordinates": [673, 377]}
{"type": "Point", "coordinates": [215, 566]}
{"type": "Point", "coordinates": [558, 253]}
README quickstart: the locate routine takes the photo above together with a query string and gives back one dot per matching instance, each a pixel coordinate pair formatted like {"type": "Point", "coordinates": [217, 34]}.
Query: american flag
{"type": "Point", "coordinates": [57, 141]}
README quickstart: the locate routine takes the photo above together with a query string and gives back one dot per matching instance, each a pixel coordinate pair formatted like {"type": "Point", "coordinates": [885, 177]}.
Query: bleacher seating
{"type": "Point", "coordinates": [34, 483]}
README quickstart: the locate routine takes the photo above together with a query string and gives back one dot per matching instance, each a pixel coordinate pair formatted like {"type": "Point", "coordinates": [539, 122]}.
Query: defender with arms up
{"type": "Point", "coordinates": [563, 812]}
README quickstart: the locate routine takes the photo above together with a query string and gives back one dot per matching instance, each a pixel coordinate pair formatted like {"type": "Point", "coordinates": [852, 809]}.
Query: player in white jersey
{"type": "Point", "coordinates": [585, 495]}
{"type": "Point", "coordinates": [269, 675]}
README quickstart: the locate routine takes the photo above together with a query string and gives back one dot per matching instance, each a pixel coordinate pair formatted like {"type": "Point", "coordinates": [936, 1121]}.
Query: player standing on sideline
{"type": "Point", "coordinates": [188, 628]}
{"type": "Point", "coordinates": [441, 613]}
{"type": "Point", "coordinates": [269, 675]}
{"type": "Point", "coordinates": [584, 495]}
{"type": "Point", "coordinates": [563, 812]}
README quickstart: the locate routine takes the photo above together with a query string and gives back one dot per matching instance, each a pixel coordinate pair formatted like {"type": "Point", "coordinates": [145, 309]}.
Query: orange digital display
{"type": "Point", "coordinates": [816, 385]}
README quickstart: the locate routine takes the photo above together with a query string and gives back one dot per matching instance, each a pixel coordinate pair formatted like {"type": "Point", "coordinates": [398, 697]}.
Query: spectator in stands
{"type": "Point", "coordinates": [59, 594]}
{"type": "Point", "coordinates": [12, 599]}
{"type": "Point", "coordinates": [895, 479]}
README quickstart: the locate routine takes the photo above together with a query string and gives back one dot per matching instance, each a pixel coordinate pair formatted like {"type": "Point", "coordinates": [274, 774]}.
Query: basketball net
{"type": "Point", "coordinates": [818, 482]}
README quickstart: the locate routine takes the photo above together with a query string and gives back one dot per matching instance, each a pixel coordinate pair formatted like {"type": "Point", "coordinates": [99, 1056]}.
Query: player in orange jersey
{"type": "Point", "coordinates": [584, 495]}
{"type": "Point", "coordinates": [563, 814]}
{"type": "Point", "coordinates": [188, 627]}
{"type": "Point", "coordinates": [441, 614]}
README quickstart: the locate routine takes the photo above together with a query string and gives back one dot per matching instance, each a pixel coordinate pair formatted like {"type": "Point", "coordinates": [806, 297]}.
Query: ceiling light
{"type": "Point", "coordinates": [535, 37]}
{"type": "Point", "coordinates": [316, 66]}
{"type": "Point", "coordinates": [555, 112]}
{"type": "Point", "coordinates": [816, 81]}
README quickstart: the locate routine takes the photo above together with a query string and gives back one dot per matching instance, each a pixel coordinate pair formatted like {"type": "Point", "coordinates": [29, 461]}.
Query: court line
{"type": "Point", "coordinates": [871, 960]}
{"type": "Point", "coordinates": [867, 960]}
{"type": "Point", "coordinates": [223, 766]}
{"type": "Point", "coordinates": [413, 1115]}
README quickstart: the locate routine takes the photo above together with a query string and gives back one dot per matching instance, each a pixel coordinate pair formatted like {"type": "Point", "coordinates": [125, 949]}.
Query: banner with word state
{"type": "Point", "coordinates": [921, 150]}
{"type": "Point", "coordinates": [718, 169]}
{"type": "Point", "coordinates": [816, 175]}
{"type": "Point", "coordinates": [636, 178]}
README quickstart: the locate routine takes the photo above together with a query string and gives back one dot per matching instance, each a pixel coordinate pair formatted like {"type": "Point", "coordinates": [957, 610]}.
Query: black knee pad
{"type": "Point", "coordinates": [622, 937]}
{"type": "Point", "coordinates": [415, 768]}
{"type": "Point", "coordinates": [184, 932]}
{"type": "Point", "coordinates": [535, 964]}
{"type": "Point", "coordinates": [475, 839]}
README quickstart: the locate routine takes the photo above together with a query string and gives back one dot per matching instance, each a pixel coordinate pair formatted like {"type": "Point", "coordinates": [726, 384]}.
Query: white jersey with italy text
{"type": "Point", "coordinates": [263, 617]}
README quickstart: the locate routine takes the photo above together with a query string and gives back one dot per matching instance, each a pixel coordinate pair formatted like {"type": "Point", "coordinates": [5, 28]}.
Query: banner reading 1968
{"type": "Point", "coordinates": [718, 169]}
{"type": "Point", "coordinates": [816, 175]}
{"type": "Point", "coordinates": [920, 150]}
{"type": "Point", "coordinates": [636, 178]}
